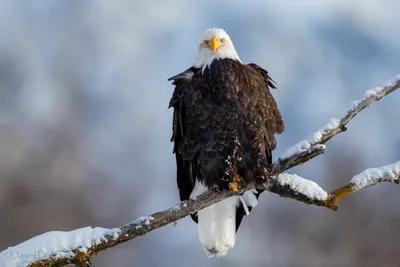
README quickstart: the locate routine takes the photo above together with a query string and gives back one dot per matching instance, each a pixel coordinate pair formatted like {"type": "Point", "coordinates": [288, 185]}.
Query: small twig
{"type": "Point", "coordinates": [367, 178]}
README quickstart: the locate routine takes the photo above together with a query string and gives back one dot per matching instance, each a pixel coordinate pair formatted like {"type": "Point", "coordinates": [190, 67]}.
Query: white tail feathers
{"type": "Point", "coordinates": [217, 226]}
{"type": "Point", "coordinates": [217, 223]}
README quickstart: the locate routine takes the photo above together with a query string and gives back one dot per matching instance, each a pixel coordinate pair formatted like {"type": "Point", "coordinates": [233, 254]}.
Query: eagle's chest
{"type": "Point", "coordinates": [221, 81]}
{"type": "Point", "coordinates": [222, 94]}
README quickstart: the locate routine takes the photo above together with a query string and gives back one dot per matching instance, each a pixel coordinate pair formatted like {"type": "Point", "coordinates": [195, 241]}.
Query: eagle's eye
{"type": "Point", "coordinates": [222, 40]}
{"type": "Point", "coordinates": [206, 42]}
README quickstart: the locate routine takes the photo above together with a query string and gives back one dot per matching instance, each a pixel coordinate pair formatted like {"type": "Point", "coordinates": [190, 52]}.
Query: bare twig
{"type": "Point", "coordinates": [297, 155]}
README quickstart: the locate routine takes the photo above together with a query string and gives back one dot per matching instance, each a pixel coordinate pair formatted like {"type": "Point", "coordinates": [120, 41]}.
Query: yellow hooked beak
{"type": "Point", "coordinates": [215, 44]}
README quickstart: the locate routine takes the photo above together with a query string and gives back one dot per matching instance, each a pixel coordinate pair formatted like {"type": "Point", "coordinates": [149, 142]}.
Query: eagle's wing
{"type": "Point", "coordinates": [268, 109]}
{"type": "Point", "coordinates": [185, 175]}
{"type": "Point", "coordinates": [268, 81]}
{"type": "Point", "coordinates": [274, 123]}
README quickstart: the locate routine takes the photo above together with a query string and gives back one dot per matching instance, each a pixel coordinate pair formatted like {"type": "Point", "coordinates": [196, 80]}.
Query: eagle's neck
{"type": "Point", "coordinates": [206, 57]}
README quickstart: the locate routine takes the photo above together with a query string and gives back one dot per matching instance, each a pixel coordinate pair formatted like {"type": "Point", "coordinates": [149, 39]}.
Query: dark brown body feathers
{"type": "Point", "coordinates": [225, 122]}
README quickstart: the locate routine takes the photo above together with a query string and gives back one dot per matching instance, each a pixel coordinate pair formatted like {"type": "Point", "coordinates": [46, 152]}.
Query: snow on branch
{"type": "Point", "coordinates": [79, 246]}
{"type": "Point", "coordinates": [336, 126]}
{"type": "Point", "coordinates": [64, 246]}
{"type": "Point", "coordinates": [367, 178]}
{"type": "Point", "coordinates": [308, 188]}
{"type": "Point", "coordinates": [373, 176]}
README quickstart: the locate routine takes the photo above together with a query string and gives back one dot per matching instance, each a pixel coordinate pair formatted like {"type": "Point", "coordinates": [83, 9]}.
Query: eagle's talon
{"type": "Point", "coordinates": [234, 187]}
{"type": "Point", "coordinates": [215, 187]}
{"type": "Point", "coordinates": [237, 179]}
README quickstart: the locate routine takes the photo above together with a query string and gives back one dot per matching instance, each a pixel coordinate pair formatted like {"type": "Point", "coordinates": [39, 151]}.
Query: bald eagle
{"type": "Point", "coordinates": [224, 126]}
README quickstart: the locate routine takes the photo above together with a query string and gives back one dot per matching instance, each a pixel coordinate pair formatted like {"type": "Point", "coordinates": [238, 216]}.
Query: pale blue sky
{"type": "Point", "coordinates": [96, 71]}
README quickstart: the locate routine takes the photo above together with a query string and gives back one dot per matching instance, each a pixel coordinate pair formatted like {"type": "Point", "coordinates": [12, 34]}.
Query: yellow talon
{"type": "Point", "coordinates": [234, 187]}
{"type": "Point", "coordinates": [215, 186]}
{"type": "Point", "coordinates": [237, 179]}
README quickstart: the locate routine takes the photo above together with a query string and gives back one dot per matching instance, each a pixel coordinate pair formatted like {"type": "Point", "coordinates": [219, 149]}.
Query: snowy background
{"type": "Point", "coordinates": [84, 125]}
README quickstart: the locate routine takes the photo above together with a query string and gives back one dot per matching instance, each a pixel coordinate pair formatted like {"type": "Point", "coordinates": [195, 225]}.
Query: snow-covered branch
{"type": "Point", "coordinates": [367, 178]}
{"type": "Point", "coordinates": [311, 193]}
{"type": "Point", "coordinates": [79, 246]}
{"type": "Point", "coordinates": [336, 126]}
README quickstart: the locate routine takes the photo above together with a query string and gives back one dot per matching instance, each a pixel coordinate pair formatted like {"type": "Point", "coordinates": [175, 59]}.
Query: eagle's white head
{"type": "Point", "coordinates": [214, 44]}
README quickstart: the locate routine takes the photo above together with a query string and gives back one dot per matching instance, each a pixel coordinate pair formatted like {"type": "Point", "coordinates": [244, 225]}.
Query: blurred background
{"type": "Point", "coordinates": [85, 130]}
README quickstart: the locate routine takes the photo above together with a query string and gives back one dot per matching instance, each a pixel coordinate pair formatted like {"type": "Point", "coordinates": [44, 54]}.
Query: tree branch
{"type": "Point", "coordinates": [367, 178]}
{"type": "Point", "coordinates": [291, 186]}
